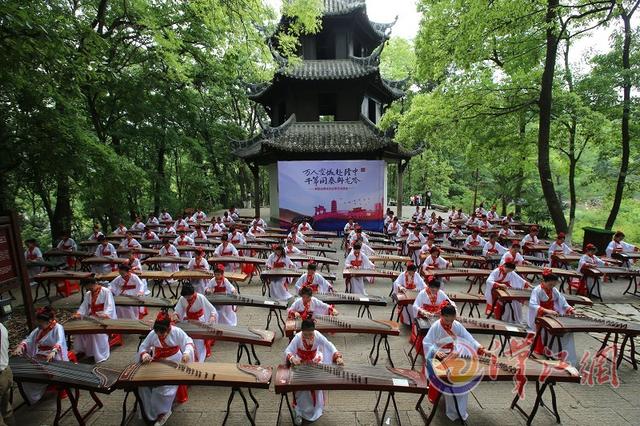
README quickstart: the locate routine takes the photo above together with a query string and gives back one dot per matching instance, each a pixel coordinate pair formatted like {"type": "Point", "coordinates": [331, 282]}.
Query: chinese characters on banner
{"type": "Point", "coordinates": [331, 192]}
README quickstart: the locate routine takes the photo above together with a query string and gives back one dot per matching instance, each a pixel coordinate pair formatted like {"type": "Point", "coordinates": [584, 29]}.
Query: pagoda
{"type": "Point", "coordinates": [326, 105]}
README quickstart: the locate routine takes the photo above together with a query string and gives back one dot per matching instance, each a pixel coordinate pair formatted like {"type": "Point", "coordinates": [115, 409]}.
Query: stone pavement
{"type": "Point", "coordinates": [489, 404]}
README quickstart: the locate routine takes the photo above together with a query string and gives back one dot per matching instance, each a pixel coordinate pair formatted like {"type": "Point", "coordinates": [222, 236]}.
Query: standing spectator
{"type": "Point", "coordinates": [418, 199]}
{"type": "Point", "coordinates": [411, 200]}
{"type": "Point", "coordinates": [427, 199]}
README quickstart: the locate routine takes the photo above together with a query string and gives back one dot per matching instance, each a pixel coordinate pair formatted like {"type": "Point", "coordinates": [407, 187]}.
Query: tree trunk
{"type": "Point", "coordinates": [62, 214]}
{"type": "Point", "coordinates": [544, 126]}
{"type": "Point", "coordinates": [573, 161]}
{"type": "Point", "coordinates": [626, 113]}
{"type": "Point", "coordinates": [160, 179]}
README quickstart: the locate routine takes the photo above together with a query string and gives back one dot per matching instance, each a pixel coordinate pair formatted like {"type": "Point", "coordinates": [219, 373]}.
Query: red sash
{"type": "Point", "coordinates": [183, 242]}
{"type": "Point", "coordinates": [95, 307]}
{"type": "Point", "coordinates": [357, 263]}
{"type": "Point", "coordinates": [31, 255]}
{"type": "Point", "coordinates": [199, 265]}
{"type": "Point", "coordinates": [126, 285]}
{"type": "Point", "coordinates": [474, 242]}
{"type": "Point", "coordinates": [409, 283]}
{"type": "Point", "coordinates": [220, 287]}
{"type": "Point", "coordinates": [308, 356]}
{"type": "Point", "coordinates": [278, 263]}
{"type": "Point", "coordinates": [45, 331]}
{"type": "Point", "coordinates": [160, 352]}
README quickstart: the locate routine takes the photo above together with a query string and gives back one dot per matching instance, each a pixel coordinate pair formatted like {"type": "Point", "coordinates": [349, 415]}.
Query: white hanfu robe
{"type": "Point", "coordinates": [356, 284]}
{"type": "Point", "coordinates": [131, 284]}
{"type": "Point", "coordinates": [159, 399]}
{"type": "Point", "coordinates": [39, 344]}
{"type": "Point", "coordinates": [253, 232]}
{"type": "Point", "coordinates": [130, 244]}
{"type": "Point", "coordinates": [593, 261]}
{"type": "Point", "coordinates": [310, 404]}
{"type": "Point", "coordinates": [313, 308]}
{"type": "Point", "coordinates": [171, 251]}
{"type": "Point", "coordinates": [316, 281]}
{"type": "Point", "coordinates": [279, 287]}
{"type": "Point", "coordinates": [513, 280]}
{"type": "Point", "coordinates": [197, 308]}
{"type": "Point", "coordinates": [105, 251]}
{"type": "Point", "coordinates": [473, 242]}
{"type": "Point", "coordinates": [200, 264]}
{"type": "Point", "coordinates": [493, 248]}
{"type": "Point", "coordinates": [32, 255]}
{"type": "Point", "coordinates": [227, 249]}
{"type": "Point", "coordinates": [227, 313]}
{"type": "Point", "coordinates": [554, 300]}
{"type": "Point", "coordinates": [430, 302]}
{"type": "Point", "coordinates": [621, 247]}
{"type": "Point", "coordinates": [184, 240]}
{"type": "Point", "coordinates": [412, 239]}
{"type": "Point", "coordinates": [292, 251]}
{"type": "Point", "coordinates": [457, 339]}
{"type": "Point", "coordinates": [137, 227]}
{"type": "Point", "coordinates": [435, 263]}
{"type": "Point", "coordinates": [556, 249]}
{"type": "Point", "coordinates": [96, 345]}
{"type": "Point", "coordinates": [415, 284]}
{"type": "Point", "coordinates": [507, 257]}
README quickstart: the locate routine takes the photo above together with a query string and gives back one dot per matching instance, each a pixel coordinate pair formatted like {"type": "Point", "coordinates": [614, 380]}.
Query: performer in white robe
{"type": "Point", "coordinates": [393, 227]}
{"type": "Point", "coordinates": [219, 226]}
{"type": "Point", "coordinates": [227, 219]}
{"type": "Point", "coordinates": [445, 337]}
{"type": "Point", "coordinates": [617, 245]}
{"type": "Point", "coordinates": [138, 225]}
{"type": "Point", "coordinates": [67, 244]}
{"type": "Point", "coordinates": [198, 234]}
{"type": "Point", "coordinates": [199, 216]}
{"type": "Point", "coordinates": [259, 222]}
{"type": "Point", "coordinates": [165, 216]}
{"type": "Point", "coordinates": [357, 260]}
{"type": "Point", "coordinates": [183, 240]}
{"type": "Point", "coordinates": [493, 214]}
{"type": "Point", "coordinates": [310, 346]}
{"type": "Point", "coordinates": [98, 303]}
{"type": "Point", "coordinates": [504, 276]}
{"type": "Point", "coordinates": [236, 237]}
{"type": "Point", "coordinates": [45, 342]}
{"type": "Point", "coordinates": [220, 285]}
{"type": "Point", "coordinates": [546, 300]}
{"type": "Point", "coordinates": [129, 243]}
{"type": "Point", "coordinates": [434, 261]}
{"type": "Point", "coordinates": [558, 247]}
{"type": "Point", "coordinates": [279, 287]}
{"type": "Point", "coordinates": [104, 249]}
{"type": "Point", "coordinates": [199, 263]}
{"type": "Point", "coordinates": [149, 235]}
{"type": "Point", "coordinates": [506, 232]}
{"type": "Point", "coordinates": [304, 227]}
{"type": "Point", "coordinates": [152, 219]}
{"type": "Point", "coordinates": [529, 240]}
{"type": "Point", "coordinates": [33, 254]}
{"type": "Point", "coordinates": [290, 250]}
{"type": "Point", "coordinates": [254, 231]}
{"type": "Point", "coordinates": [358, 235]}
{"type": "Point", "coordinates": [484, 223]}
{"type": "Point", "coordinates": [226, 249]}
{"type": "Point", "coordinates": [164, 343]}
{"type": "Point", "coordinates": [513, 256]}
{"type": "Point", "coordinates": [416, 238]}
{"type": "Point", "coordinates": [493, 247]}
{"type": "Point", "coordinates": [403, 233]}
{"type": "Point", "coordinates": [456, 232]}
{"type": "Point", "coordinates": [474, 241]}
{"type": "Point", "coordinates": [313, 280]}
{"type": "Point", "coordinates": [169, 250]}
{"type": "Point", "coordinates": [307, 306]}
{"type": "Point", "coordinates": [127, 283]}
{"type": "Point", "coordinates": [348, 227]}
{"type": "Point", "coordinates": [120, 230]}
{"type": "Point", "coordinates": [408, 280]}
{"type": "Point", "coordinates": [96, 233]}
{"type": "Point", "coordinates": [589, 258]}
{"type": "Point", "coordinates": [194, 306]}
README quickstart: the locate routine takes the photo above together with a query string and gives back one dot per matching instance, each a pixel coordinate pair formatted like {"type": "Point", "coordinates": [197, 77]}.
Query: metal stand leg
{"type": "Point", "coordinates": [250, 416]}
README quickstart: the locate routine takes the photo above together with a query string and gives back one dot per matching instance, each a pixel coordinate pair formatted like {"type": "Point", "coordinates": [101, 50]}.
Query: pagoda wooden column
{"type": "Point", "coordinates": [255, 169]}
{"type": "Point", "coordinates": [399, 195]}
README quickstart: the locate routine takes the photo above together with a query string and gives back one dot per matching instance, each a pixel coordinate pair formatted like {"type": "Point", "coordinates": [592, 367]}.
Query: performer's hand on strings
{"type": "Point", "coordinates": [146, 358]}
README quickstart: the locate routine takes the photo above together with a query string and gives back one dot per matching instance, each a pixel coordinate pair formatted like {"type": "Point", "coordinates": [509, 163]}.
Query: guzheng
{"type": "Point", "coordinates": [203, 245]}
{"type": "Point", "coordinates": [149, 243]}
{"type": "Point", "coordinates": [220, 299]}
{"type": "Point", "coordinates": [537, 270]}
{"type": "Point", "coordinates": [626, 256]}
{"type": "Point", "coordinates": [103, 260]}
{"type": "Point", "coordinates": [342, 324]}
{"type": "Point", "coordinates": [464, 258]}
{"type": "Point", "coordinates": [201, 275]}
{"type": "Point", "coordinates": [542, 248]}
{"type": "Point", "coordinates": [140, 250]}
{"type": "Point", "coordinates": [504, 369]}
{"type": "Point", "coordinates": [92, 325]}
{"type": "Point", "coordinates": [457, 272]}
{"type": "Point", "coordinates": [223, 332]}
{"type": "Point", "coordinates": [584, 323]}
{"type": "Point", "coordinates": [320, 249]}
{"type": "Point", "coordinates": [382, 240]}
{"type": "Point", "coordinates": [310, 376]}
{"type": "Point", "coordinates": [477, 326]}
{"type": "Point", "coordinates": [290, 273]}
{"type": "Point", "coordinates": [52, 264]}
{"type": "Point", "coordinates": [81, 376]}
{"type": "Point", "coordinates": [88, 243]}
{"type": "Point", "coordinates": [236, 259]}
{"type": "Point", "coordinates": [385, 247]}
{"type": "Point", "coordinates": [320, 233]}
{"type": "Point", "coordinates": [64, 275]}
{"type": "Point", "coordinates": [253, 247]}
{"type": "Point", "coordinates": [350, 299]}
{"type": "Point", "coordinates": [62, 253]}
{"type": "Point", "coordinates": [143, 274]}
{"type": "Point", "coordinates": [321, 241]}
{"type": "Point", "coordinates": [524, 294]}
{"type": "Point", "coordinates": [611, 271]}
{"type": "Point", "coordinates": [316, 259]}
{"type": "Point", "coordinates": [496, 258]}
{"type": "Point", "coordinates": [450, 249]}
{"type": "Point", "coordinates": [389, 258]}
{"type": "Point", "coordinates": [72, 302]}
{"type": "Point", "coordinates": [409, 296]}
{"type": "Point", "coordinates": [158, 373]}
{"type": "Point", "coordinates": [371, 273]}
{"type": "Point", "coordinates": [575, 258]}
{"type": "Point", "coordinates": [166, 259]}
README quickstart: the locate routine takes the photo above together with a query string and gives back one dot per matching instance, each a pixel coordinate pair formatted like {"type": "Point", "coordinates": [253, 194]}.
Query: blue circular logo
{"type": "Point", "coordinates": [454, 376]}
